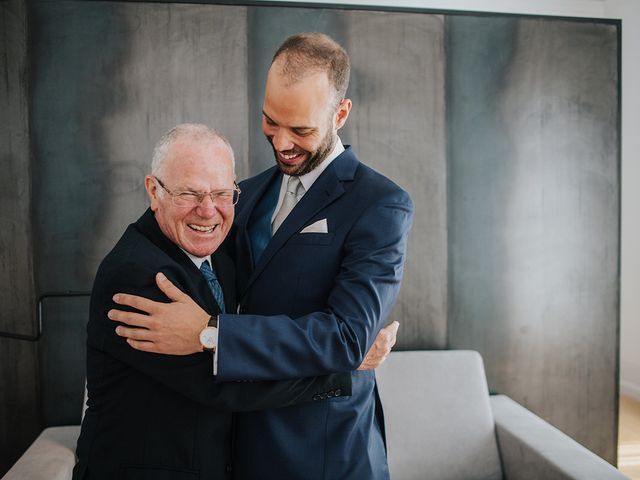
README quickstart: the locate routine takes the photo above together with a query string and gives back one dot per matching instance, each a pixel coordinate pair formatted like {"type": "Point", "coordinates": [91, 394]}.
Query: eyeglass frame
{"type": "Point", "coordinates": [200, 196]}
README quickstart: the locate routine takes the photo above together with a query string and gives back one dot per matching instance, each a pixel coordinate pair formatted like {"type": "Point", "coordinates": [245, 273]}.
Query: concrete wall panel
{"type": "Point", "coordinates": [19, 416]}
{"type": "Point", "coordinates": [397, 126]}
{"type": "Point", "coordinates": [534, 214]}
{"type": "Point", "coordinates": [111, 79]}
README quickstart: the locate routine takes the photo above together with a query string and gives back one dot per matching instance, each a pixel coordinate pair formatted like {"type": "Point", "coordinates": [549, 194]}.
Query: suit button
{"type": "Point", "coordinates": [228, 468]}
{"type": "Point", "coordinates": [317, 397]}
{"type": "Point", "coordinates": [338, 392]}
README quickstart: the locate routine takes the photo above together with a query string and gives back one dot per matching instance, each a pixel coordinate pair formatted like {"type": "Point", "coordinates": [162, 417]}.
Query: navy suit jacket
{"type": "Point", "coordinates": [314, 303]}
{"type": "Point", "coordinates": [164, 417]}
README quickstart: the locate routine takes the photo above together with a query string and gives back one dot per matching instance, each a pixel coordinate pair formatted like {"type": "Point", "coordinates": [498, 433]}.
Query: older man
{"type": "Point", "coordinates": [165, 417]}
{"type": "Point", "coordinates": [320, 246]}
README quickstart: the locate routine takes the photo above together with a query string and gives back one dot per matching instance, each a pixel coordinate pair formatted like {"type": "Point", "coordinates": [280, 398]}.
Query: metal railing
{"type": "Point", "coordinates": [37, 325]}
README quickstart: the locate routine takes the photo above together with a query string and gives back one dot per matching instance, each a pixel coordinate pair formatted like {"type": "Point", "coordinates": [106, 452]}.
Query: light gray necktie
{"type": "Point", "coordinates": [291, 197]}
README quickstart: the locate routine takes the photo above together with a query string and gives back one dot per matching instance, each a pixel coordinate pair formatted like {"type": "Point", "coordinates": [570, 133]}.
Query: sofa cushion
{"type": "Point", "coordinates": [50, 457]}
{"type": "Point", "coordinates": [438, 419]}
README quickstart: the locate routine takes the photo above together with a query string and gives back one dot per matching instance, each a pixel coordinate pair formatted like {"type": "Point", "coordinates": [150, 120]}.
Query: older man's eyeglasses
{"type": "Point", "coordinates": [221, 198]}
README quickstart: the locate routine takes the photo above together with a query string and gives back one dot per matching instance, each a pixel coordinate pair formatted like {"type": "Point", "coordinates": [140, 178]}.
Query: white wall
{"type": "Point", "coordinates": [629, 12]}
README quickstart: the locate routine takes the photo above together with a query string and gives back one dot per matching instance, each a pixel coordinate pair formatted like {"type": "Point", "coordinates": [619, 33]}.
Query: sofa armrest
{"type": "Point", "coordinates": [50, 457]}
{"type": "Point", "coordinates": [531, 448]}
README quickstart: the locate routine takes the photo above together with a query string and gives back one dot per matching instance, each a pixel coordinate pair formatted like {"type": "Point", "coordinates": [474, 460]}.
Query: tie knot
{"type": "Point", "coordinates": [294, 186]}
{"type": "Point", "coordinates": [206, 270]}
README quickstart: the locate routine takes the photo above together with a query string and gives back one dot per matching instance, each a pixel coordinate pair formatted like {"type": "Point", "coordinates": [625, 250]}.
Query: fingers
{"type": "Point", "coordinates": [139, 303]}
{"type": "Point", "coordinates": [379, 351]}
{"type": "Point", "coordinates": [393, 333]}
{"type": "Point", "coordinates": [149, 306]}
{"type": "Point", "coordinates": [169, 289]}
{"type": "Point", "coordinates": [142, 346]}
{"type": "Point", "coordinates": [130, 318]}
{"type": "Point", "coordinates": [134, 333]}
{"type": "Point", "coordinates": [394, 326]}
{"type": "Point", "coordinates": [156, 347]}
{"type": "Point", "coordinates": [385, 340]}
{"type": "Point", "coordinates": [368, 363]}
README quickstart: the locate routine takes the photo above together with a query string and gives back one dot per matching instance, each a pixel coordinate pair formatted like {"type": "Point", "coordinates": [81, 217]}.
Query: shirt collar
{"type": "Point", "coordinates": [198, 261]}
{"type": "Point", "coordinates": [309, 178]}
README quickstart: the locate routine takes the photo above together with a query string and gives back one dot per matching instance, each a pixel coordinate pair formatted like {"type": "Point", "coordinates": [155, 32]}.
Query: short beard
{"type": "Point", "coordinates": [315, 158]}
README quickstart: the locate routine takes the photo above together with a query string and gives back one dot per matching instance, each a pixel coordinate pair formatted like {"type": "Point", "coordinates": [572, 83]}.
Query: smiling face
{"type": "Point", "coordinates": [196, 165]}
{"type": "Point", "coordinates": [300, 119]}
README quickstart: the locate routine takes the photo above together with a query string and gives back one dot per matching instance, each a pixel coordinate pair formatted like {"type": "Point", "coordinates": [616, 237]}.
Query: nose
{"type": "Point", "coordinates": [206, 209]}
{"type": "Point", "coordinates": [281, 140]}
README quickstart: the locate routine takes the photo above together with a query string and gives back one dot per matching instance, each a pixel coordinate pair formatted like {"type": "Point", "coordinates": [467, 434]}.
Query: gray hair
{"type": "Point", "coordinates": [196, 131]}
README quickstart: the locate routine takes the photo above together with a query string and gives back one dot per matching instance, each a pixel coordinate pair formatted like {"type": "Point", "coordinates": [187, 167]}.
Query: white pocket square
{"type": "Point", "coordinates": [317, 227]}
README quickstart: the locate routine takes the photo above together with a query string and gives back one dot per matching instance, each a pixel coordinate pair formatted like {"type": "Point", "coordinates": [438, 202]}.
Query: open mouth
{"type": "Point", "coordinates": [291, 158]}
{"type": "Point", "coordinates": [202, 228]}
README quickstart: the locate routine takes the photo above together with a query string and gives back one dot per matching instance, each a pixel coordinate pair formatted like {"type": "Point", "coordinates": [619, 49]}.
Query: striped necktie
{"type": "Point", "coordinates": [214, 284]}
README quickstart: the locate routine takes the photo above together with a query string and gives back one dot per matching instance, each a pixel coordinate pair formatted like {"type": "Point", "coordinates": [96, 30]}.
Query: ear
{"type": "Point", "coordinates": [151, 186]}
{"type": "Point", "coordinates": [343, 113]}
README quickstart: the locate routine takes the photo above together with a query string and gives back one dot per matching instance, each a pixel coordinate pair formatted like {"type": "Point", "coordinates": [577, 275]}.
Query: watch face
{"type": "Point", "coordinates": [208, 338]}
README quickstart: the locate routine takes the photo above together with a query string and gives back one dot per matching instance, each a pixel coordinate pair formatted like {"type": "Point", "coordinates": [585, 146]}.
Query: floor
{"type": "Point", "coordinates": [629, 437]}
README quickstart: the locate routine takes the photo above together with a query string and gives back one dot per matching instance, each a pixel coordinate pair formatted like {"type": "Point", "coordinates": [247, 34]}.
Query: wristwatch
{"type": "Point", "coordinates": [209, 334]}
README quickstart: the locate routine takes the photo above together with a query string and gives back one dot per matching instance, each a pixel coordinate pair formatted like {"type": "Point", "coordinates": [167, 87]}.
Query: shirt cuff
{"type": "Point", "coordinates": [215, 363]}
{"type": "Point", "coordinates": [215, 353]}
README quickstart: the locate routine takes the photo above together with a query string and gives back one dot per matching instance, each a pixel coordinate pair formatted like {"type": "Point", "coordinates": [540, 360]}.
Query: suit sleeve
{"type": "Point", "coordinates": [337, 338]}
{"type": "Point", "coordinates": [189, 375]}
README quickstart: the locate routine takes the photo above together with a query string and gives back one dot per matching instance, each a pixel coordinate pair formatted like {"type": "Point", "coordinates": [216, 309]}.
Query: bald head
{"type": "Point", "coordinates": [308, 53]}
{"type": "Point", "coordinates": [186, 131]}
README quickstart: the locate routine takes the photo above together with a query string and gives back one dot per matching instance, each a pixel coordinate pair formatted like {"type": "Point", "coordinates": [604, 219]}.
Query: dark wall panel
{"type": "Point", "coordinates": [396, 126]}
{"type": "Point", "coordinates": [18, 357]}
{"type": "Point", "coordinates": [110, 79]}
{"type": "Point", "coordinates": [533, 214]}
{"type": "Point", "coordinates": [62, 355]}
{"type": "Point", "coordinates": [266, 29]}
{"type": "Point", "coordinates": [19, 399]}
{"type": "Point", "coordinates": [16, 268]}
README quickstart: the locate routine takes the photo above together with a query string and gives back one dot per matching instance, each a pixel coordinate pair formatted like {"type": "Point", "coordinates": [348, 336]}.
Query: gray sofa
{"type": "Point", "coordinates": [441, 424]}
{"type": "Point", "coordinates": [50, 457]}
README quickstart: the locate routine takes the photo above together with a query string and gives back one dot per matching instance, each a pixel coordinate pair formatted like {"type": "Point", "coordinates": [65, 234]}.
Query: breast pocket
{"type": "Point", "coordinates": [318, 257]}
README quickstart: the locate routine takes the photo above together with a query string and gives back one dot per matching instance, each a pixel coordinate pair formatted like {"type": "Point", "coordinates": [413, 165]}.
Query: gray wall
{"type": "Point", "coordinates": [503, 130]}
{"type": "Point", "coordinates": [19, 415]}
{"type": "Point", "coordinates": [534, 214]}
{"type": "Point", "coordinates": [110, 79]}
{"type": "Point", "coordinates": [396, 126]}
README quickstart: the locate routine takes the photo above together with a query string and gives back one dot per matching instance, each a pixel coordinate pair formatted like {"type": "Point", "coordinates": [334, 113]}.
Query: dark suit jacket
{"type": "Point", "coordinates": [314, 303]}
{"type": "Point", "coordinates": [155, 416]}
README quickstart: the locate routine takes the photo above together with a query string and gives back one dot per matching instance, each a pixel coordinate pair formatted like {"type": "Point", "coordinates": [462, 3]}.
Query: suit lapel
{"type": "Point", "coordinates": [148, 225]}
{"type": "Point", "coordinates": [244, 254]}
{"type": "Point", "coordinates": [325, 190]}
